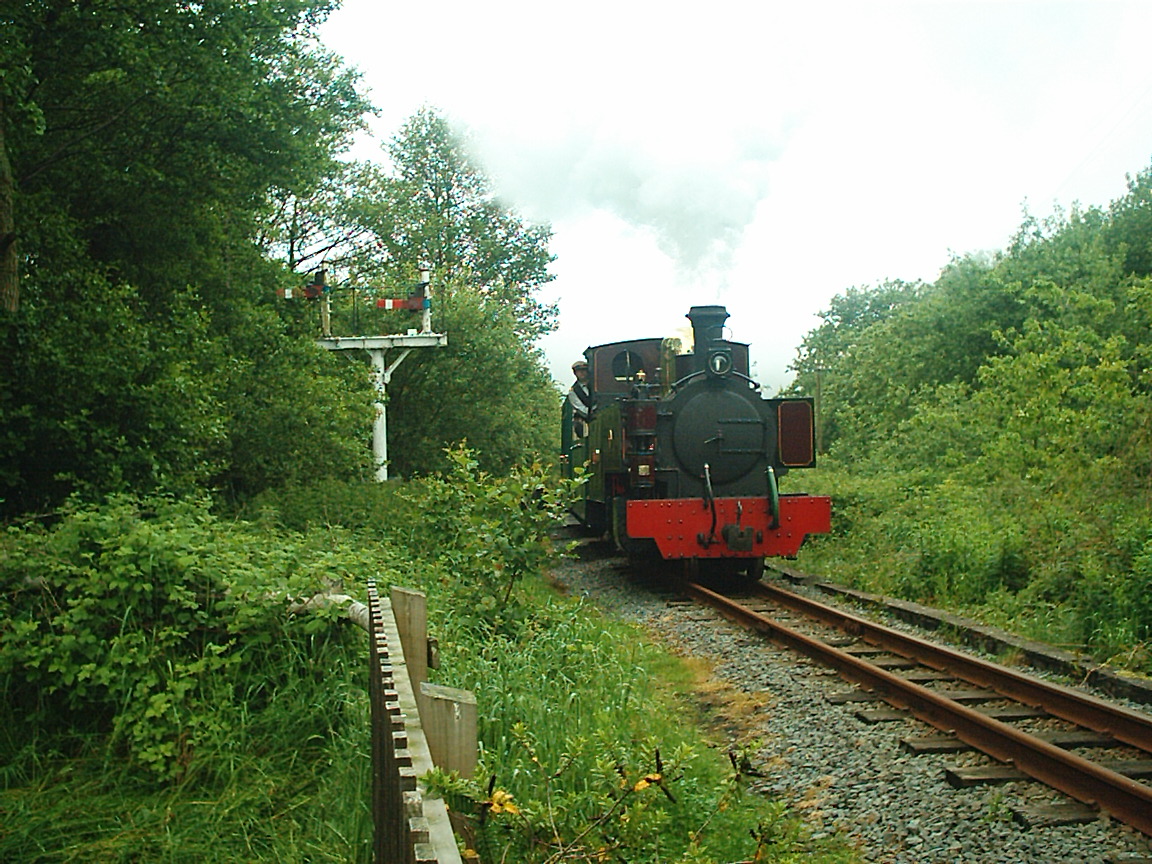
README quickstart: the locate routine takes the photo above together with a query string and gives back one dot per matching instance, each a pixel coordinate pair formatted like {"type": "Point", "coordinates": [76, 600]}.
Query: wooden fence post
{"type": "Point", "coordinates": [448, 716]}
{"type": "Point", "coordinates": [390, 843]}
{"type": "Point", "coordinates": [410, 609]}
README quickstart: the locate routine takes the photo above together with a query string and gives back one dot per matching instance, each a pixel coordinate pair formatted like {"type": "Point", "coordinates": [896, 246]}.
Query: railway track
{"type": "Point", "coordinates": [971, 702]}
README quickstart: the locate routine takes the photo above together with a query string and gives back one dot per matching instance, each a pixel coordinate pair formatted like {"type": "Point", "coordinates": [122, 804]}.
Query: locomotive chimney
{"type": "Point", "coordinates": [707, 326]}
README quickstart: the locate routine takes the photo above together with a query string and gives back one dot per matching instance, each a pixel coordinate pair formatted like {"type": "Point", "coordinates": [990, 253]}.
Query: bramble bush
{"type": "Point", "coordinates": [486, 533]}
{"type": "Point", "coordinates": [372, 508]}
{"type": "Point", "coordinates": [156, 623]}
{"type": "Point", "coordinates": [159, 701]}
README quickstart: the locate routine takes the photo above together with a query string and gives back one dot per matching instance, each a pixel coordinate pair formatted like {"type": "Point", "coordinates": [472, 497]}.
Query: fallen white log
{"type": "Point", "coordinates": [355, 611]}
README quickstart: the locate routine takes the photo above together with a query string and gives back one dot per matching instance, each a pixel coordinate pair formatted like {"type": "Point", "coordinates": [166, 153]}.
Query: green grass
{"type": "Point", "coordinates": [1067, 563]}
{"type": "Point", "coordinates": [596, 733]}
{"type": "Point", "coordinates": [157, 703]}
{"type": "Point", "coordinates": [287, 801]}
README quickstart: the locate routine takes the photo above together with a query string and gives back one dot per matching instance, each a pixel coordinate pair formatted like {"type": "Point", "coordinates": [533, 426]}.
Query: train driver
{"type": "Point", "coordinates": [580, 399]}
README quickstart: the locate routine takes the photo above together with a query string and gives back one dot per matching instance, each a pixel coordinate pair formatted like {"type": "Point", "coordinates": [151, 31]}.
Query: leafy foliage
{"type": "Point", "coordinates": [999, 442]}
{"type": "Point", "coordinates": [101, 396]}
{"type": "Point", "coordinates": [486, 388]}
{"type": "Point", "coordinates": [440, 209]}
{"type": "Point", "coordinates": [296, 413]}
{"type": "Point", "coordinates": [489, 533]}
{"type": "Point", "coordinates": [159, 699]}
{"type": "Point", "coordinates": [143, 141]}
{"type": "Point", "coordinates": [152, 131]}
{"type": "Point", "coordinates": [153, 622]}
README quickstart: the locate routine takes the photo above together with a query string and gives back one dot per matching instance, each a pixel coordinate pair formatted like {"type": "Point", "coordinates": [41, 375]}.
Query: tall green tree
{"type": "Point", "coordinates": [487, 387]}
{"type": "Point", "coordinates": [322, 227]}
{"type": "Point", "coordinates": [139, 144]}
{"type": "Point", "coordinates": [829, 355]}
{"type": "Point", "coordinates": [1129, 227]}
{"type": "Point", "coordinates": [9, 257]}
{"type": "Point", "coordinates": [371, 228]}
{"type": "Point", "coordinates": [885, 351]}
{"type": "Point", "coordinates": [437, 206]}
{"type": "Point", "coordinates": [152, 130]}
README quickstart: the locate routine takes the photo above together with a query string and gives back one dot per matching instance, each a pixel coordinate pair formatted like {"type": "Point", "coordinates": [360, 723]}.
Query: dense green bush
{"type": "Point", "coordinates": [154, 622]}
{"type": "Point", "coordinates": [488, 534]}
{"type": "Point", "coordinates": [158, 700]}
{"type": "Point", "coordinates": [1009, 477]}
{"type": "Point", "coordinates": [377, 509]}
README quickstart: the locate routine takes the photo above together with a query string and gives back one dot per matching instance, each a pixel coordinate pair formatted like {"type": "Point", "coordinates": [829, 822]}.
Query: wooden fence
{"type": "Point", "coordinates": [415, 725]}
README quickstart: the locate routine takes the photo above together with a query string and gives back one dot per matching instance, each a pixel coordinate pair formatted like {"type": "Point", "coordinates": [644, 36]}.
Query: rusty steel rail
{"type": "Point", "coordinates": [1124, 798]}
{"type": "Point", "coordinates": [1129, 727]}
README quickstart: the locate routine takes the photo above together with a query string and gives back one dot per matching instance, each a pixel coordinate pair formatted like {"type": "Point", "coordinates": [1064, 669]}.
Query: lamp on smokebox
{"type": "Point", "coordinates": [719, 362]}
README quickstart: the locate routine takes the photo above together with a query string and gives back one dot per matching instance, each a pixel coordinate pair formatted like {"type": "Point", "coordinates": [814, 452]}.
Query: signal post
{"type": "Point", "coordinates": [378, 348]}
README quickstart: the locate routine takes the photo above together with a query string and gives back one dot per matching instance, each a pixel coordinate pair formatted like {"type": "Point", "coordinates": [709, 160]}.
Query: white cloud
{"type": "Point", "coordinates": [766, 156]}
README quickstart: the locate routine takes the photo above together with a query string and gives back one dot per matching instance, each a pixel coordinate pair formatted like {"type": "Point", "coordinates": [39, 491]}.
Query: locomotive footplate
{"type": "Point", "coordinates": [736, 528]}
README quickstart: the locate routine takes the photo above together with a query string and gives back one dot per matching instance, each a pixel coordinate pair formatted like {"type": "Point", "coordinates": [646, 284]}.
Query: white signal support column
{"type": "Point", "coordinates": [426, 316]}
{"type": "Point", "coordinates": [377, 348]}
{"type": "Point", "coordinates": [380, 427]}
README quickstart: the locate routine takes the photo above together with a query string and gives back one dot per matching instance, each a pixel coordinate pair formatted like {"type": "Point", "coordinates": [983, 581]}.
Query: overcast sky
{"type": "Point", "coordinates": [765, 156]}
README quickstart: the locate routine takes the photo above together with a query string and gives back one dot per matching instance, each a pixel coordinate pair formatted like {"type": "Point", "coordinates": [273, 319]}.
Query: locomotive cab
{"type": "Point", "coordinates": [625, 380]}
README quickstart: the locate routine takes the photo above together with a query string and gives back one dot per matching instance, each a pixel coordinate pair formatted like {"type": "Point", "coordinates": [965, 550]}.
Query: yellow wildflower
{"type": "Point", "coordinates": [647, 781]}
{"type": "Point", "coordinates": [501, 802]}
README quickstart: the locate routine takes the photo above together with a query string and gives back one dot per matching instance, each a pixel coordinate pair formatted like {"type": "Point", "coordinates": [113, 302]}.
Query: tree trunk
{"type": "Point", "coordinates": [9, 271]}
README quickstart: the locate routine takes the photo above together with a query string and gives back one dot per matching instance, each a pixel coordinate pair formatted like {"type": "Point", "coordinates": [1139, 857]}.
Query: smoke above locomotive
{"type": "Point", "coordinates": [683, 454]}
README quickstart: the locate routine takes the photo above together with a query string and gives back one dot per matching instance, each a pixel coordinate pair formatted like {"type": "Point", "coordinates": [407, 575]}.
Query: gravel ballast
{"type": "Point", "coordinates": [844, 775]}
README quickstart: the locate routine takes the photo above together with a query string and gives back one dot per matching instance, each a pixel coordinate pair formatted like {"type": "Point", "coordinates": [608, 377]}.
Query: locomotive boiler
{"type": "Point", "coordinates": [684, 456]}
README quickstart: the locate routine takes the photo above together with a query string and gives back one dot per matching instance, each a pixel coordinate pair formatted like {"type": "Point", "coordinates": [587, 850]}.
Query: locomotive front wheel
{"type": "Point", "coordinates": [755, 570]}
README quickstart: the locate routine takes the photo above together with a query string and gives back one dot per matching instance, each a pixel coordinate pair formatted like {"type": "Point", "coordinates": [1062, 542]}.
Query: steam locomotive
{"type": "Point", "coordinates": [684, 456]}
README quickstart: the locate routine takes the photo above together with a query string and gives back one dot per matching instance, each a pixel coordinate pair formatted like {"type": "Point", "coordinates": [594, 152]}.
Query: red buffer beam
{"type": "Point", "coordinates": [734, 528]}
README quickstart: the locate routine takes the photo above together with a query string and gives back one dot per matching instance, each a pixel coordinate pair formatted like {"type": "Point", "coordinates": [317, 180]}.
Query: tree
{"type": "Point", "coordinates": [15, 76]}
{"type": "Point", "coordinates": [487, 387]}
{"type": "Point", "coordinates": [849, 315]}
{"type": "Point", "coordinates": [322, 227]}
{"type": "Point", "coordinates": [438, 207]}
{"type": "Point", "coordinates": [884, 351]}
{"type": "Point", "coordinates": [994, 429]}
{"type": "Point", "coordinates": [1129, 229]}
{"type": "Point", "coordinates": [9, 258]}
{"type": "Point", "coordinates": [143, 140]}
{"type": "Point", "coordinates": [152, 130]}
{"type": "Point", "coordinates": [294, 412]}
{"type": "Point", "coordinates": [828, 355]}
